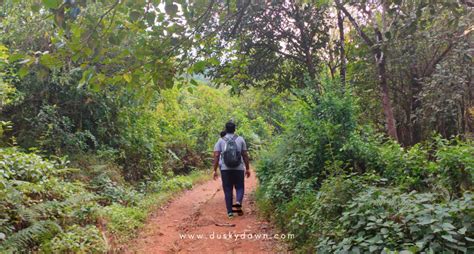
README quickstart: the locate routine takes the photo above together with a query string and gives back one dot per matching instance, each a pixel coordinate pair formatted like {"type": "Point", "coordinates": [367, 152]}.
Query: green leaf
{"type": "Point", "coordinates": [448, 226]}
{"type": "Point", "coordinates": [50, 61]}
{"type": "Point", "coordinates": [134, 15]}
{"type": "Point", "coordinates": [199, 66]}
{"type": "Point", "coordinates": [53, 4]}
{"type": "Point", "coordinates": [449, 238]}
{"type": "Point", "coordinates": [127, 77]}
{"type": "Point", "coordinates": [16, 57]}
{"type": "Point", "coordinates": [86, 76]}
{"type": "Point", "coordinates": [23, 72]}
{"type": "Point", "coordinates": [35, 7]}
{"type": "Point", "coordinates": [150, 18]}
{"type": "Point", "coordinates": [373, 248]}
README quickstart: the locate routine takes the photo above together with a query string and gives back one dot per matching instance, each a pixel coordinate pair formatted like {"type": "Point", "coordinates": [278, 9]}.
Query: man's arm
{"type": "Point", "coordinates": [217, 154]}
{"type": "Point", "coordinates": [245, 156]}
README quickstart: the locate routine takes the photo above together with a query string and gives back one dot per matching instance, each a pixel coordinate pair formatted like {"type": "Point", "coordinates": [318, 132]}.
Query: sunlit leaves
{"type": "Point", "coordinates": [86, 77]}
{"type": "Point", "coordinates": [50, 61]}
{"type": "Point", "coordinates": [52, 3]}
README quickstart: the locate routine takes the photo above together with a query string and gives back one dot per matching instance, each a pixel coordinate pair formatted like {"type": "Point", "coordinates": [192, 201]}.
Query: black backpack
{"type": "Point", "coordinates": [231, 156]}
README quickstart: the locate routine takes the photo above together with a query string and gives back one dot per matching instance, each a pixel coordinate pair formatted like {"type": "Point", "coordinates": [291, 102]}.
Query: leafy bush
{"type": "Point", "coordinates": [76, 239]}
{"type": "Point", "coordinates": [123, 222]}
{"type": "Point", "coordinates": [321, 180]}
{"type": "Point", "coordinates": [190, 121]}
{"type": "Point", "coordinates": [16, 165]}
{"type": "Point", "coordinates": [139, 144]}
{"type": "Point", "coordinates": [36, 202]}
{"type": "Point", "coordinates": [57, 134]}
{"type": "Point", "coordinates": [455, 164]}
{"type": "Point", "coordinates": [434, 163]}
{"type": "Point", "coordinates": [110, 191]}
{"type": "Point", "coordinates": [385, 219]}
{"type": "Point", "coordinates": [315, 135]}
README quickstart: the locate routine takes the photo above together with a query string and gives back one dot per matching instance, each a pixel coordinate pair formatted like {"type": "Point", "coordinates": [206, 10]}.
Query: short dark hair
{"type": "Point", "coordinates": [223, 133]}
{"type": "Point", "coordinates": [230, 127]}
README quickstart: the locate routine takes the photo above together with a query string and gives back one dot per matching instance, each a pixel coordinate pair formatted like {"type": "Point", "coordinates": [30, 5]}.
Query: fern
{"type": "Point", "coordinates": [38, 211]}
{"type": "Point", "coordinates": [48, 208]}
{"type": "Point", "coordinates": [37, 232]}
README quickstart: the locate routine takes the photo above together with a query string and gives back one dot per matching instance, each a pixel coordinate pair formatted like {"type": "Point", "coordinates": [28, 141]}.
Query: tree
{"type": "Point", "coordinates": [267, 43]}
{"type": "Point", "coordinates": [376, 45]}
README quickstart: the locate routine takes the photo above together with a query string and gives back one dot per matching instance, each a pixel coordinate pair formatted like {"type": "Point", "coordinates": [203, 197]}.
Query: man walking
{"type": "Point", "coordinates": [231, 152]}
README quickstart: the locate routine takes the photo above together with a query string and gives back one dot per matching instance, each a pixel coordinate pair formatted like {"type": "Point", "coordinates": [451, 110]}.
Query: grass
{"type": "Point", "coordinates": [123, 223]}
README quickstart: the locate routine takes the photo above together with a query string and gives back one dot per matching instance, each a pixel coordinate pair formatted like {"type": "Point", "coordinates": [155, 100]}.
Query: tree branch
{"type": "Point", "coordinates": [355, 24]}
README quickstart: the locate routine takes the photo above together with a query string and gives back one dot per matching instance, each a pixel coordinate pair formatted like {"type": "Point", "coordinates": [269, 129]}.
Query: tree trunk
{"type": "Point", "coordinates": [342, 53]}
{"type": "Point", "coordinates": [416, 105]}
{"type": "Point", "coordinates": [383, 85]}
{"type": "Point", "coordinates": [381, 70]}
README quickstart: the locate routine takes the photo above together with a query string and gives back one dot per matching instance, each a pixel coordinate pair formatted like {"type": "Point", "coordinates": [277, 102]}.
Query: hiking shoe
{"type": "Point", "coordinates": [238, 209]}
{"type": "Point", "coordinates": [230, 215]}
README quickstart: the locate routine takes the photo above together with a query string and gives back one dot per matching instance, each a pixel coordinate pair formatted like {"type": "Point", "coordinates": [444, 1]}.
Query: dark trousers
{"type": "Point", "coordinates": [230, 179]}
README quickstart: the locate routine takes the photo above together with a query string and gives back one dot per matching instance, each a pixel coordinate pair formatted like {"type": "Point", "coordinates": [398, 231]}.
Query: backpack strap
{"type": "Point", "coordinates": [227, 140]}
{"type": "Point", "coordinates": [233, 138]}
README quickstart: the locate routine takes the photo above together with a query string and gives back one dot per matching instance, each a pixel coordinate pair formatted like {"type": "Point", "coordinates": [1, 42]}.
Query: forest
{"type": "Point", "coordinates": [358, 116]}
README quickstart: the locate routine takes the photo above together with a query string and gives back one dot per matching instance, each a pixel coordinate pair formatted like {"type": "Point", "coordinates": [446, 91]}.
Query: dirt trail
{"type": "Point", "coordinates": [200, 212]}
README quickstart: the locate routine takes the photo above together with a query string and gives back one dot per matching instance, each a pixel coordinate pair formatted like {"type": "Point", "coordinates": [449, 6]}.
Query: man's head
{"type": "Point", "coordinates": [230, 127]}
{"type": "Point", "coordinates": [223, 134]}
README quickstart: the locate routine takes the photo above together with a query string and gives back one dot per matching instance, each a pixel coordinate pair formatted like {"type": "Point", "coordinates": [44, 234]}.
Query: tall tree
{"type": "Point", "coordinates": [376, 45]}
{"type": "Point", "coordinates": [342, 50]}
{"type": "Point", "coordinates": [272, 43]}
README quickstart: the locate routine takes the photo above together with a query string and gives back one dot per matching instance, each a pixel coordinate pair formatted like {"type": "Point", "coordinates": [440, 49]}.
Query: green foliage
{"type": "Point", "coordinates": [112, 192]}
{"type": "Point", "coordinates": [455, 164]}
{"type": "Point", "coordinates": [191, 123]}
{"type": "Point", "coordinates": [383, 219]}
{"type": "Point", "coordinates": [16, 165]}
{"type": "Point", "coordinates": [36, 233]}
{"type": "Point", "coordinates": [140, 144]}
{"type": "Point", "coordinates": [76, 239]}
{"type": "Point", "coordinates": [36, 202]}
{"type": "Point", "coordinates": [434, 163]}
{"type": "Point", "coordinates": [42, 211]}
{"type": "Point", "coordinates": [123, 222]}
{"type": "Point", "coordinates": [321, 180]}
{"type": "Point", "coordinates": [313, 136]}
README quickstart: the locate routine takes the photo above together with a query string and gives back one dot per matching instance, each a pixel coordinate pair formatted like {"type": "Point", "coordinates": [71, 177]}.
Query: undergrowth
{"type": "Point", "coordinates": [341, 188]}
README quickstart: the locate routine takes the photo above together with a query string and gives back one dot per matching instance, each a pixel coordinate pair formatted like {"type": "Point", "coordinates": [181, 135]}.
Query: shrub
{"type": "Point", "coordinates": [307, 152]}
{"type": "Point", "coordinates": [409, 168]}
{"type": "Point", "coordinates": [387, 219]}
{"type": "Point", "coordinates": [76, 239]}
{"type": "Point", "coordinates": [110, 191]}
{"type": "Point", "coordinates": [36, 202]}
{"type": "Point", "coordinates": [455, 164]}
{"type": "Point", "coordinates": [139, 144]}
{"type": "Point", "coordinates": [321, 179]}
{"type": "Point", "coordinates": [16, 165]}
{"type": "Point", "coordinates": [123, 222]}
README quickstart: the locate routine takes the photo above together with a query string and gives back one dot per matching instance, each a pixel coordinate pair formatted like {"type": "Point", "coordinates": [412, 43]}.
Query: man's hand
{"type": "Point", "coordinates": [247, 173]}
{"type": "Point", "coordinates": [217, 154]}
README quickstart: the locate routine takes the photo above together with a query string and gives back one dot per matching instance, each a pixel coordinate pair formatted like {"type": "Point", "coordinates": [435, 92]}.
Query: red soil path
{"type": "Point", "coordinates": [200, 212]}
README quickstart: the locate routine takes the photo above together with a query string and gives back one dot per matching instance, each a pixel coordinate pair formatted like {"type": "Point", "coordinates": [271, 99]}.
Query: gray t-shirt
{"type": "Point", "coordinates": [220, 145]}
